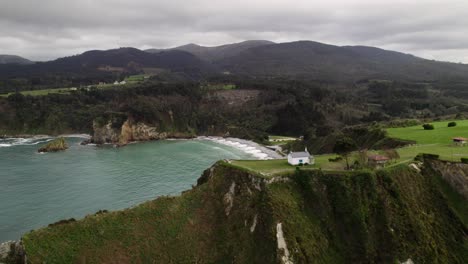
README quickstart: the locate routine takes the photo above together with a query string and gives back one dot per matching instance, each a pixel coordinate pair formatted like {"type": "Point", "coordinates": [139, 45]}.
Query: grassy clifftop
{"type": "Point", "coordinates": [235, 216]}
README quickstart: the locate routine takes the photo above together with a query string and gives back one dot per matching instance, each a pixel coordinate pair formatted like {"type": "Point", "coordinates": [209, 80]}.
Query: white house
{"type": "Point", "coordinates": [300, 158]}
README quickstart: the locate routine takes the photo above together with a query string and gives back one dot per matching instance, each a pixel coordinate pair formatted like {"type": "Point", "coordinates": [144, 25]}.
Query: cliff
{"type": "Point", "coordinates": [238, 216]}
{"type": "Point", "coordinates": [130, 131]}
{"type": "Point", "coordinates": [455, 174]}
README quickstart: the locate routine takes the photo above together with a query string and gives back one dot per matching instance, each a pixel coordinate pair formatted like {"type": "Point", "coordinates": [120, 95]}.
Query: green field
{"type": "Point", "coordinates": [42, 92]}
{"type": "Point", "coordinates": [437, 141]}
{"type": "Point", "coordinates": [220, 86]}
{"type": "Point", "coordinates": [137, 78]}
{"type": "Point", "coordinates": [271, 138]}
{"type": "Point", "coordinates": [441, 134]}
{"type": "Point", "coordinates": [279, 140]}
{"type": "Point", "coordinates": [280, 166]}
{"type": "Point", "coordinates": [131, 82]}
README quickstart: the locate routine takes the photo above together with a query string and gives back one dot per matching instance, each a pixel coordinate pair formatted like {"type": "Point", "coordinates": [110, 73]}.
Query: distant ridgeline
{"type": "Point", "coordinates": [236, 215]}
{"type": "Point", "coordinates": [300, 60]}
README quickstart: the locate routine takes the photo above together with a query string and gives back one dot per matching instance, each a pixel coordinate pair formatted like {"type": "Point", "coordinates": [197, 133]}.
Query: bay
{"type": "Point", "coordinates": [39, 189]}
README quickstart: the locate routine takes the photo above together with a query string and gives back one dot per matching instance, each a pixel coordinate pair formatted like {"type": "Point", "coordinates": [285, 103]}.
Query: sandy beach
{"type": "Point", "coordinates": [258, 151]}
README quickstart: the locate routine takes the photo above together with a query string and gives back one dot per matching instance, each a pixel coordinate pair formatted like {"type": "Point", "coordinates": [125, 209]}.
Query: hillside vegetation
{"type": "Point", "coordinates": [218, 52]}
{"type": "Point", "coordinates": [300, 60]}
{"type": "Point", "coordinates": [237, 216]}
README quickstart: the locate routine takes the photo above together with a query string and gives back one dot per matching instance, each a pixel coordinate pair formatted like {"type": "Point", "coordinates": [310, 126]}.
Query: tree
{"type": "Point", "coordinates": [343, 147]}
{"type": "Point", "coordinates": [392, 154]}
{"type": "Point", "coordinates": [452, 124]}
{"type": "Point", "coordinates": [428, 127]}
{"type": "Point", "coordinates": [362, 158]}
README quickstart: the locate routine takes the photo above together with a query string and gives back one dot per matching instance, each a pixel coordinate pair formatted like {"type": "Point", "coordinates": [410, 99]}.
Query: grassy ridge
{"type": "Point", "coordinates": [191, 228]}
{"type": "Point", "coordinates": [362, 217]}
{"type": "Point", "coordinates": [383, 217]}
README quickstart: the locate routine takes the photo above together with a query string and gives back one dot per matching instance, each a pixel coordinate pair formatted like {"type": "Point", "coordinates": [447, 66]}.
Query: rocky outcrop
{"type": "Point", "coordinates": [138, 131]}
{"type": "Point", "coordinates": [12, 252]}
{"type": "Point", "coordinates": [130, 131]}
{"type": "Point", "coordinates": [103, 134]}
{"type": "Point", "coordinates": [456, 174]}
{"type": "Point", "coordinates": [58, 144]}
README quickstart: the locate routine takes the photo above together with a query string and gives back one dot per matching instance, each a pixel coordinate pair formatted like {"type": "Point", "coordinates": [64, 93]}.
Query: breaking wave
{"type": "Point", "coordinates": [10, 142]}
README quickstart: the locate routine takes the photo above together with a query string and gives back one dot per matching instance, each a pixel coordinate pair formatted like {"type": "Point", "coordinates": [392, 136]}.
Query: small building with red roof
{"type": "Point", "coordinates": [377, 160]}
{"type": "Point", "coordinates": [459, 140]}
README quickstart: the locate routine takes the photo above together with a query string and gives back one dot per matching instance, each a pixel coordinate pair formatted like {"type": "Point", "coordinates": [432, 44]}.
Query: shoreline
{"type": "Point", "coordinates": [258, 151]}
{"type": "Point", "coordinates": [252, 148]}
{"type": "Point", "coordinates": [7, 141]}
{"type": "Point", "coordinates": [41, 136]}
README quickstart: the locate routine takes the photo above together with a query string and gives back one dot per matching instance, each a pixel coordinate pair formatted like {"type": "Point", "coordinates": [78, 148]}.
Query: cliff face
{"type": "Point", "coordinates": [456, 174]}
{"type": "Point", "coordinates": [131, 131]}
{"type": "Point", "coordinates": [105, 133]}
{"type": "Point", "coordinates": [237, 216]}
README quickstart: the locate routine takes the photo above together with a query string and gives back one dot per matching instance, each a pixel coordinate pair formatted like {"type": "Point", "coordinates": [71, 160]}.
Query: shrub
{"type": "Point", "coordinates": [339, 158]}
{"type": "Point", "coordinates": [452, 124]}
{"type": "Point", "coordinates": [464, 160]}
{"type": "Point", "coordinates": [428, 127]}
{"type": "Point", "coordinates": [430, 156]}
{"type": "Point", "coordinates": [423, 156]}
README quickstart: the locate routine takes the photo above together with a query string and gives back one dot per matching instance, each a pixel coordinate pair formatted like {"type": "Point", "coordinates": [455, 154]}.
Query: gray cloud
{"type": "Point", "coordinates": [48, 29]}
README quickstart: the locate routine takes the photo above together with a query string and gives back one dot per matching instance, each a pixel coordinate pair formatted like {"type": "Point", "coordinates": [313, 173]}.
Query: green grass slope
{"type": "Point", "coordinates": [233, 216]}
{"type": "Point", "coordinates": [191, 228]}
{"type": "Point", "coordinates": [381, 217]}
{"type": "Point", "coordinates": [437, 141]}
{"type": "Point", "coordinates": [440, 135]}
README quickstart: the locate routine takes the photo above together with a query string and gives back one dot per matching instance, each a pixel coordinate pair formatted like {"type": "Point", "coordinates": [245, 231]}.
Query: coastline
{"type": "Point", "coordinates": [258, 151]}
{"type": "Point", "coordinates": [9, 141]}
{"type": "Point", "coordinates": [40, 136]}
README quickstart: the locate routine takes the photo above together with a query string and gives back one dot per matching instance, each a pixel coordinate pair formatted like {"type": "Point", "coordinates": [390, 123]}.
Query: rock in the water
{"type": "Point", "coordinates": [86, 142]}
{"type": "Point", "coordinates": [55, 145]}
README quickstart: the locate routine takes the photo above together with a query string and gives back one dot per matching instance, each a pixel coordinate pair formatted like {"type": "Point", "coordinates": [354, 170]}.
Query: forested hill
{"type": "Point", "coordinates": [217, 53]}
{"type": "Point", "coordinates": [96, 66]}
{"type": "Point", "coordinates": [306, 60]}
{"type": "Point", "coordinates": [324, 62]}
{"type": "Point", "coordinates": [14, 59]}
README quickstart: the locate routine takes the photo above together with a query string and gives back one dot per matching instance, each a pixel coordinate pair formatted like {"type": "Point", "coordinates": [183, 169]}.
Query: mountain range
{"type": "Point", "coordinates": [13, 59]}
{"type": "Point", "coordinates": [214, 54]}
{"type": "Point", "coordinates": [255, 58]}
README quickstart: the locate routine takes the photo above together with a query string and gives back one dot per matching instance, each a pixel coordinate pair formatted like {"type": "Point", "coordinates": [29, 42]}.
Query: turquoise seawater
{"type": "Point", "coordinates": [39, 189]}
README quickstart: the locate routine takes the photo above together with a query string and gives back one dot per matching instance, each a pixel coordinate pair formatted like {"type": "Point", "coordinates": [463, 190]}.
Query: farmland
{"type": "Point", "coordinates": [442, 134]}
{"type": "Point", "coordinates": [437, 141]}
{"type": "Point", "coordinates": [130, 81]}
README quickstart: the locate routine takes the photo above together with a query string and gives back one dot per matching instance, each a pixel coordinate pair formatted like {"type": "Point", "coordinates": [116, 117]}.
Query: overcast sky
{"type": "Point", "coordinates": [47, 29]}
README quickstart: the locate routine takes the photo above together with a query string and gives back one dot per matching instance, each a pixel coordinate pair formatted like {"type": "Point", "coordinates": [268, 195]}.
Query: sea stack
{"type": "Point", "coordinates": [55, 145]}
